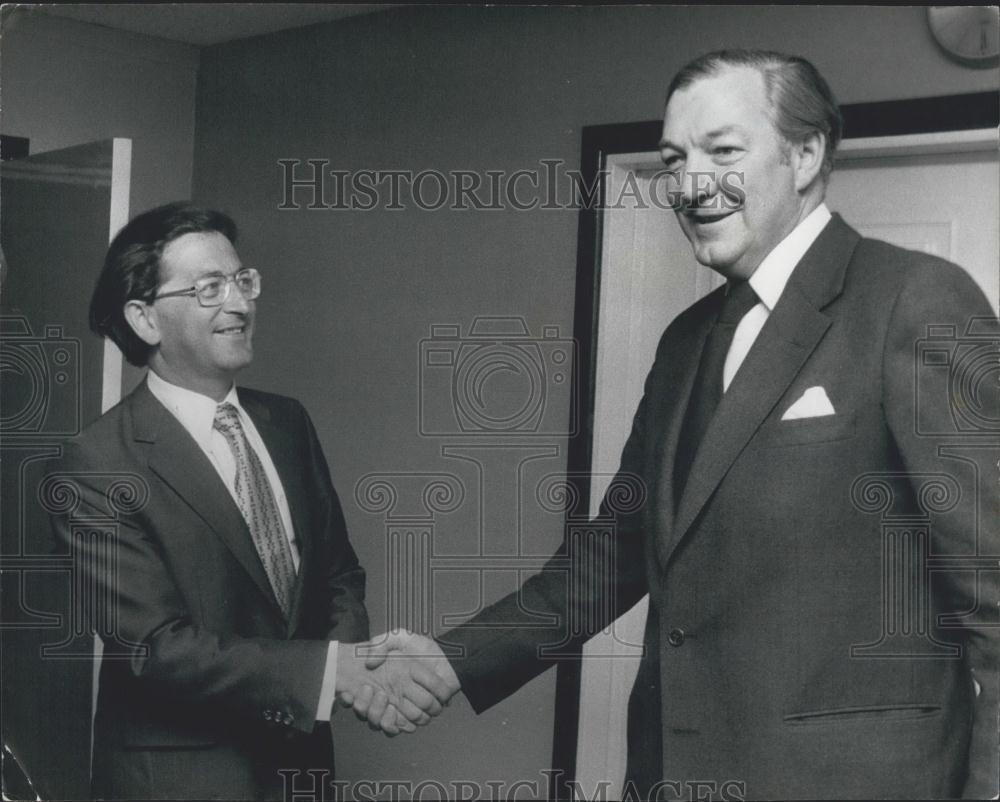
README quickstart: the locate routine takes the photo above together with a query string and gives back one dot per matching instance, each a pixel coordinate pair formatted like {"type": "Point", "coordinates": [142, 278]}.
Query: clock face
{"type": "Point", "coordinates": [970, 33]}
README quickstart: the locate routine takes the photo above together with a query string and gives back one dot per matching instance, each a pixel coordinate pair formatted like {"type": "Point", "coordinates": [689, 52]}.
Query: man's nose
{"type": "Point", "coordinates": [698, 183]}
{"type": "Point", "coordinates": [235, 302]}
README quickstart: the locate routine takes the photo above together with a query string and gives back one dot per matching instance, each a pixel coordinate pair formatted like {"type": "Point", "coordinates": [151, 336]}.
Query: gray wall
{"type": "Point", "coordinates": [349, 295]}
{"type": "Point", "coordinates": [67, 83]}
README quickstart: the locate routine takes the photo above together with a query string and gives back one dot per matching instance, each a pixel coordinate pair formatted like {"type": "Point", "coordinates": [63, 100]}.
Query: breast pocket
{"type": "Point", "coordinates": [806, 431]}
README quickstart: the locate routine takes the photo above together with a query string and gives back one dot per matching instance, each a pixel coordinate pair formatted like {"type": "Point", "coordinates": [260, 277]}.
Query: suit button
{"type": "Point", "coordinates": [289, 718]}
{"type": "Point", "coordinates": [267, 715]}
{"type": "Point", "coordinates": [676, 636]}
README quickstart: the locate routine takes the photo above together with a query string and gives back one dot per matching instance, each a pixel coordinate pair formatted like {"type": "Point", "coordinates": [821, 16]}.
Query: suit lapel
{"type": "Point", "coordinates": [288, 465]}
{"type": "Point", "coordinates": [792, 332]}
{"type": "Point", "coordinates": [676, 387]}
{"type": "Point", "coordinates": [176, 458]}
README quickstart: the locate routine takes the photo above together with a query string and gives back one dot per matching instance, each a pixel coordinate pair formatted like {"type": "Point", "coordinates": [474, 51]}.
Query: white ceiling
{"type": "Point", "coordinates": [205, 23]}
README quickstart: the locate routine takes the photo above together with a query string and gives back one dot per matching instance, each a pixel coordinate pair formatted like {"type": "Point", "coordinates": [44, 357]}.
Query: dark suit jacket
{"type": "Point", "coordinates": [776, 656]}
{"type": "Point", "coordinates": [205, 690]}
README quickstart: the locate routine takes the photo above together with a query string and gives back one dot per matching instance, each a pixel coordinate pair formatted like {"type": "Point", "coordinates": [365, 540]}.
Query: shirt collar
{"type": "Point", "coordinates": [771, 276]}
{"type": "Point", "coordinates": [195, 411]}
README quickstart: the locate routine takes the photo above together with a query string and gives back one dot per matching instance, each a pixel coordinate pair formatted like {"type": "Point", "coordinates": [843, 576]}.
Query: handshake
{"type": "Point", "coordinates": [396, 682]}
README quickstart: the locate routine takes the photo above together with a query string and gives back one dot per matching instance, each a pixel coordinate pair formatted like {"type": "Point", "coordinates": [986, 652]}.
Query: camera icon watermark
{"type": "Point", "coordinates": [497, 379]}
{"type": "Point", "coordinates": [961, 369]}
{"type": "Point", "coordinates": [41, 378]}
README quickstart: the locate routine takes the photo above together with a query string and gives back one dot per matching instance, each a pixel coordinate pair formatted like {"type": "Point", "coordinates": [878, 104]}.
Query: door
{"type": "Point", "coordinates": [943, 203]}
{"type": "Point", "coordinates": [58, 211]}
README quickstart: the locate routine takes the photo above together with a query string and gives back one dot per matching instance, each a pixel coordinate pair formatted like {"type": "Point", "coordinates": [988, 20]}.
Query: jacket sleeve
{"type": "Point", "coordinates": [941, 401]}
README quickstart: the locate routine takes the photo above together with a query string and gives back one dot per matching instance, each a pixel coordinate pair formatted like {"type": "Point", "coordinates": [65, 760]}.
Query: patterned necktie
{"type": "Point", "coordinates": [260, 510]}
{"type": "Point", "coordinates": [707, 390]}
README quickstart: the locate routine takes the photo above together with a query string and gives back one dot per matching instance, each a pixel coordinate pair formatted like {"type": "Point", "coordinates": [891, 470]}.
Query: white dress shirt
{"type": "Point", "coordinates": [768, 281]}
{"type": "Point", "coordinates": [196, 413]}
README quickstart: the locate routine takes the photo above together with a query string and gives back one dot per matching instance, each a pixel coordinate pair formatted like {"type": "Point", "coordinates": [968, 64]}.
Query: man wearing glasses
{"type": "Point", "coordinates": [230, 580]}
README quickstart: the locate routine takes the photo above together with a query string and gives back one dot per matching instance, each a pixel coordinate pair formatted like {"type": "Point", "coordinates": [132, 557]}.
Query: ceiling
{"type": "Point", "coordinates": [205, 23]}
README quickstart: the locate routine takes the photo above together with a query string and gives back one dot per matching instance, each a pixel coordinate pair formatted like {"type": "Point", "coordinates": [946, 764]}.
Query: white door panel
{"type": "Point", "coordinates": [948, 205]}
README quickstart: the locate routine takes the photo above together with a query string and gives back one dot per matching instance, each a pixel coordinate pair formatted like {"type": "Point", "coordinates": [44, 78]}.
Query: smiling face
{"type": "Point", "coordinates": [740, 185]}
{"type": "Point", "coordinates": [197, 347]}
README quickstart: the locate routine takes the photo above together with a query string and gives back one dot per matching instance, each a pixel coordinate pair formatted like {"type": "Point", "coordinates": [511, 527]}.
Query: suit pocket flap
{"type": "Point", "coordinates": [149, 736]}
{"type": "Point", "coordinates": [868, 713]}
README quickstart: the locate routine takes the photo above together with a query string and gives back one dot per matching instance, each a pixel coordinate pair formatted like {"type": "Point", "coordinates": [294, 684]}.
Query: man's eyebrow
{"type": "Point", "coordinates": [725, 129]}
{"type": "Point", "coordinates": [208, 271]}
{"type": "Point", "coordinates": [713, 134]}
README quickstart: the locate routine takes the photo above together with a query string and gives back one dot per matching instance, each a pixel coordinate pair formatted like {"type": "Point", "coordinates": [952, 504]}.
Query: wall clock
{"type": "Point", "coordinates": [970, 34]}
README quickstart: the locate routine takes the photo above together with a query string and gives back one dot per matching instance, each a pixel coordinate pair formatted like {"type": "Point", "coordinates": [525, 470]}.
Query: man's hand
{"type": "Point", "coordinates": [414, 663]}
{"type": "Point", "coordinates": [390, 699]}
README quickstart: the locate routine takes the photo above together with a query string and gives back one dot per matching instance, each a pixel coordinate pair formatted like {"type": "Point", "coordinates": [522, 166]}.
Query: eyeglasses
{"type": "Point", "coordinates": [214, 290]}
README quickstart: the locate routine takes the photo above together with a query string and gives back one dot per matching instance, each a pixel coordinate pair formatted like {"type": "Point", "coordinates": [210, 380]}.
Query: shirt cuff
{"type": "Point", "coordinates": [328, 693]}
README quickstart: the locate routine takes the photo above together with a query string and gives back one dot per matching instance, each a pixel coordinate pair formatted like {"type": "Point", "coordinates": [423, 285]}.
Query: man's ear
{"type": "Point", "coordinates": [142, 318]}
{"type": "Point", "coordinates": [807, 158]}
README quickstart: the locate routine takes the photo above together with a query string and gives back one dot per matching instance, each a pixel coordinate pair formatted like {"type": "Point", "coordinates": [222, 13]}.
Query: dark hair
{"type": "Point", "coordinates": [132, 268]}
{"type": "Point", "coordinates": [801, 100]}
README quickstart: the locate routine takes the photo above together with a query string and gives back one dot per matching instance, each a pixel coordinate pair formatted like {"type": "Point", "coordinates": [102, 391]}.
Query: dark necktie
{"type": "Point", "coordinates": [259, 508]}
{"type": "Point", "coordinates": [707, 390]}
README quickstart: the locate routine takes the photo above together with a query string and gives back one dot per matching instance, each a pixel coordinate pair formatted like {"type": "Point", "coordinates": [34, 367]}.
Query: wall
{"type": "Point", "coordinates": [67, 83]}
{"type": "Point", "coordinates": [349, 295]}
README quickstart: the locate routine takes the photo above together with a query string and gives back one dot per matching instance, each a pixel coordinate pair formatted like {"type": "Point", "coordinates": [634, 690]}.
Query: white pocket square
{"type": "Point", "coordinates": [812, 404]}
